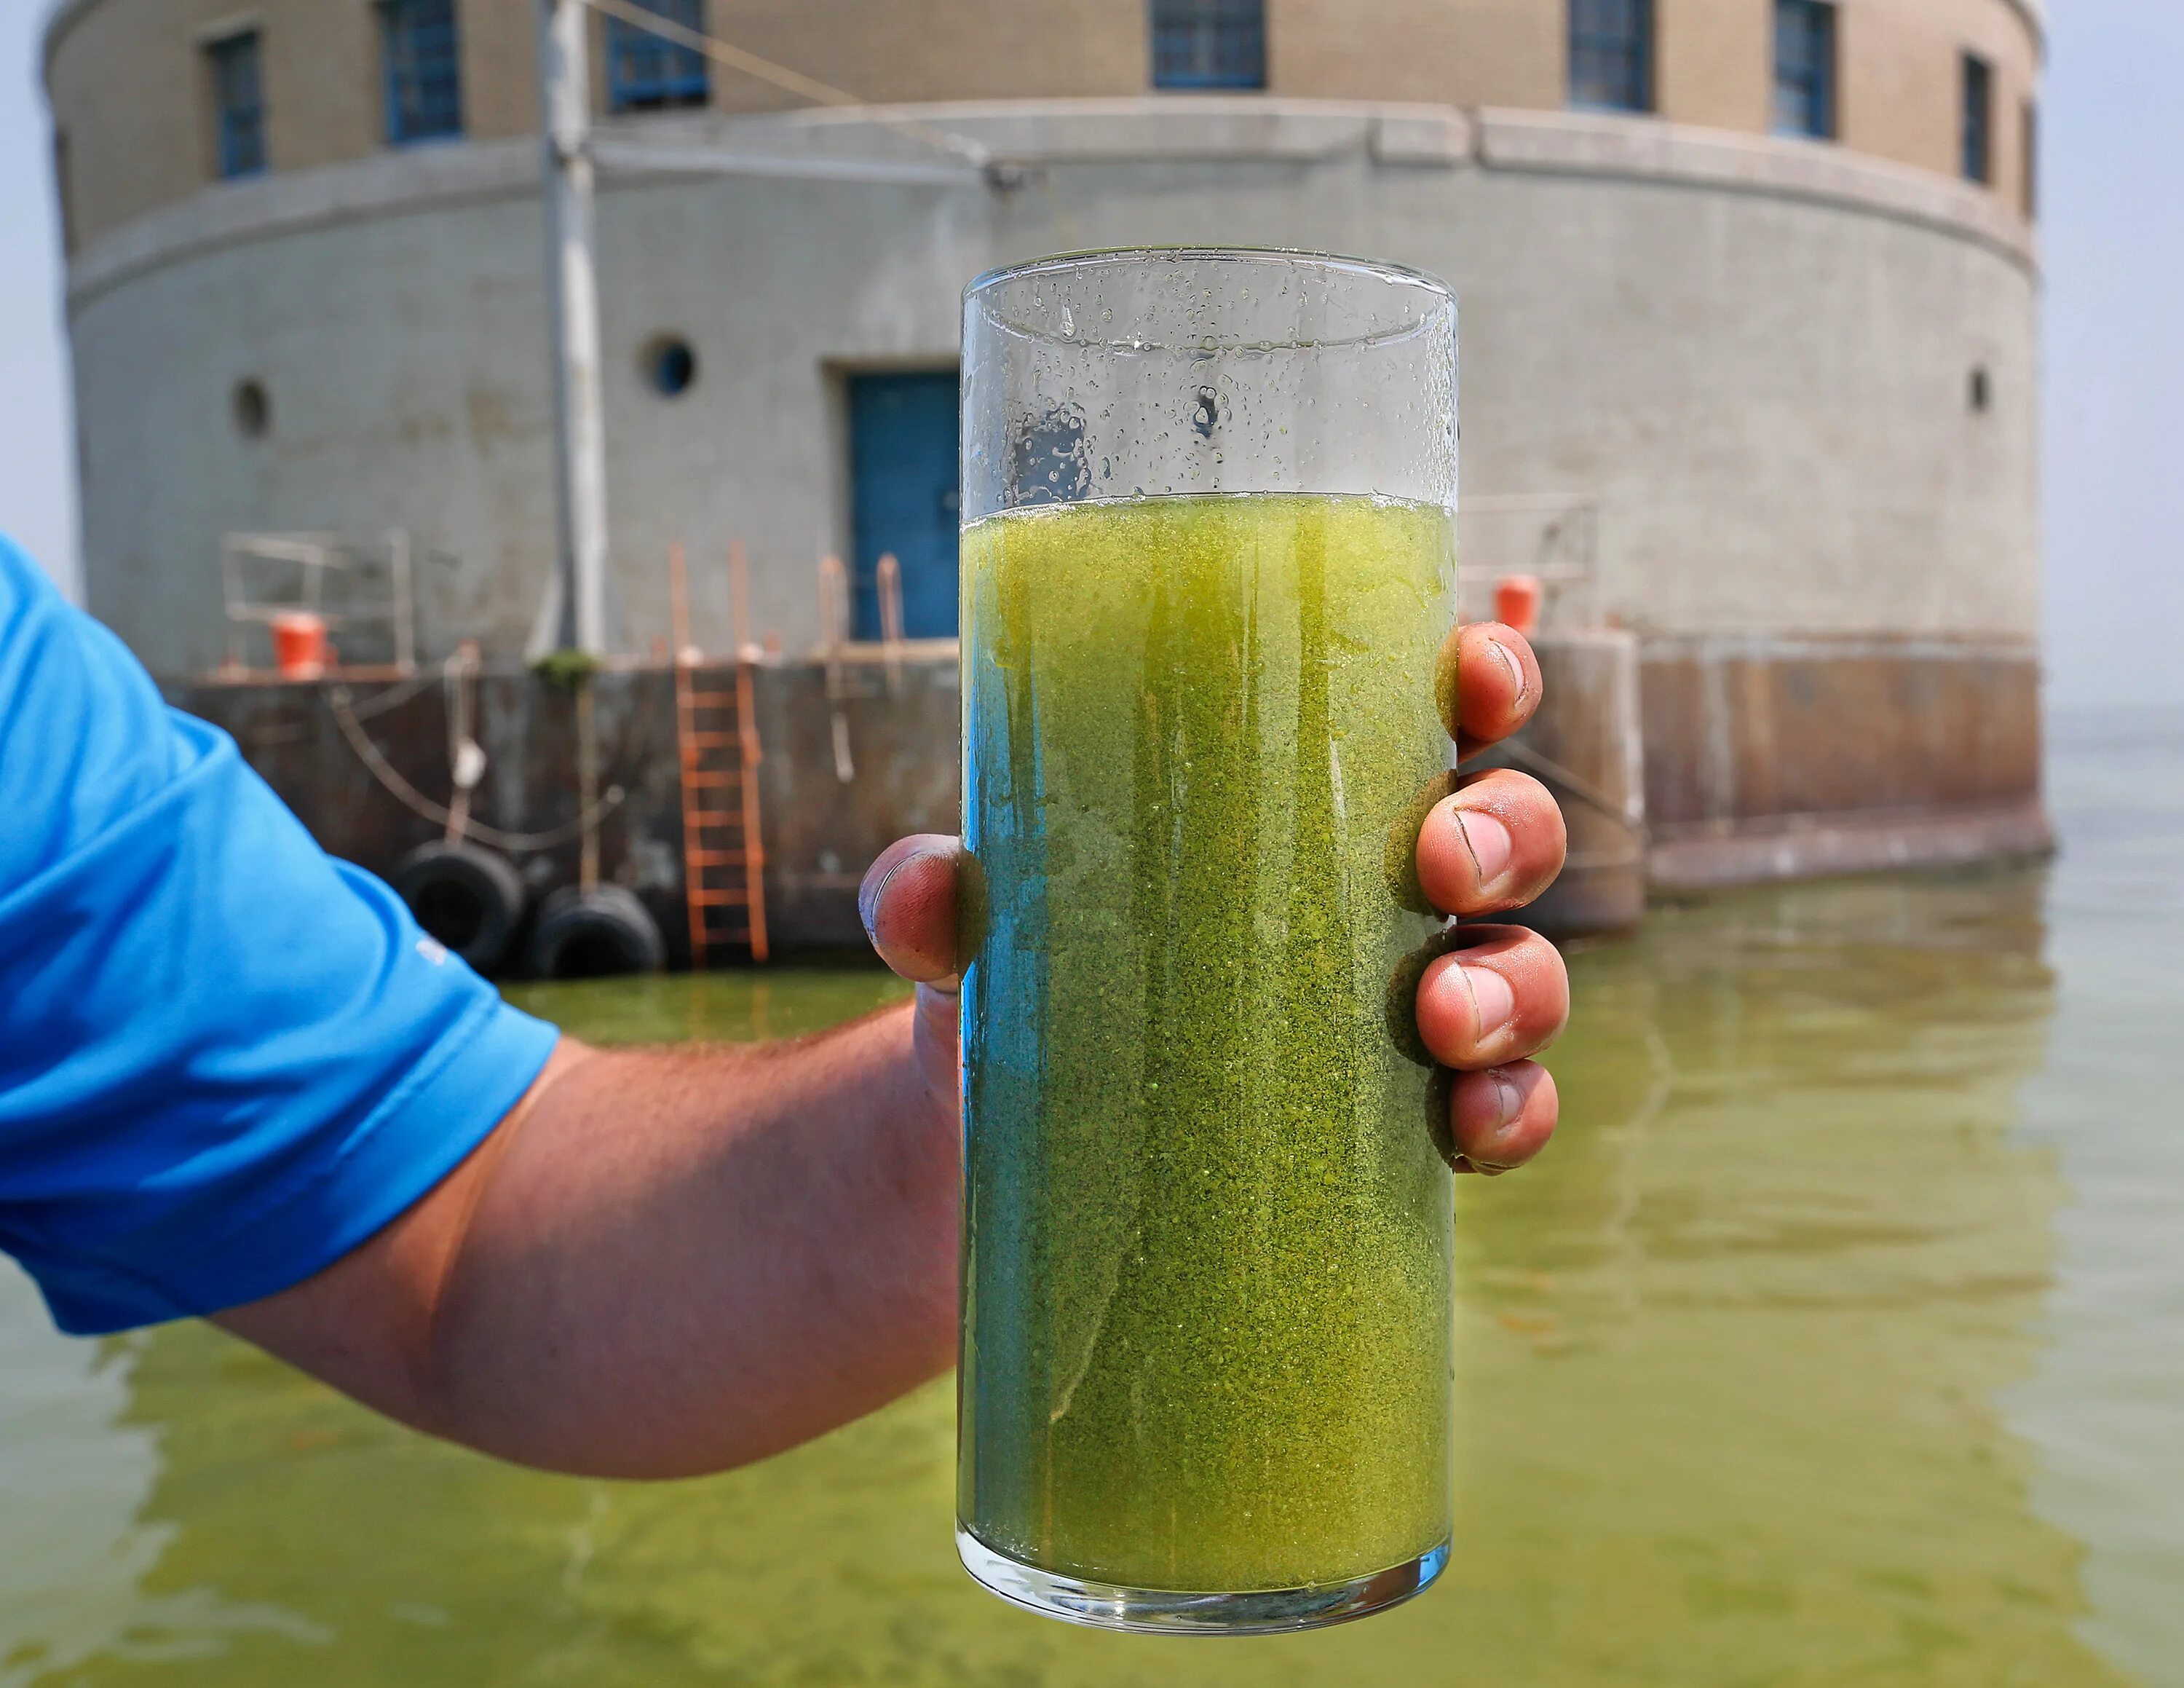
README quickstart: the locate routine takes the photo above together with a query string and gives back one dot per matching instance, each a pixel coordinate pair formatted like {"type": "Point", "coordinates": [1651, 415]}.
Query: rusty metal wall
{"type": "Point", "coordinates": [825, 819]}
{"type": "Point", "coordinates": [1774, 758]}
{"type": "Point", "coordinates": [1584, 743]}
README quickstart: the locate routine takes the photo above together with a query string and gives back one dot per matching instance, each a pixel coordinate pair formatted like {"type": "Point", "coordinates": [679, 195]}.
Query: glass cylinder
{"type": "Point", "coordinates": [1208, 562]}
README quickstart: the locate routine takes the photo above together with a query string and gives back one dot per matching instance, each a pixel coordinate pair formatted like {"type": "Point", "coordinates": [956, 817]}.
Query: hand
{"type": "Point", "coordinates": [667, 1261]}
{"type": "Point", "coordinates": [1499, 996]}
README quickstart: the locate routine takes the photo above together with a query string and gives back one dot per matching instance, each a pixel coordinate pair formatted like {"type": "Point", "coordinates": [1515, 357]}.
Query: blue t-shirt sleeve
{"type": "Point", "coordinates": [225, 1059]}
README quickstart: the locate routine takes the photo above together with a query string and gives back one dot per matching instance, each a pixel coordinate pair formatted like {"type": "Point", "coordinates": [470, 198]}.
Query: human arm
{"type": "Point", "coordinates": [664, 1263]}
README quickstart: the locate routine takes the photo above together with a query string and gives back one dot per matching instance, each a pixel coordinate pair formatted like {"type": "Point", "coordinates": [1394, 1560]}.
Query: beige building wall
{"type": "Point", "coordinates": [959, 49]}
{"type": "Point", "coordinates": [1466, 52]}
{"type": "Point", "coordinates": [1714, 62]}
{"type": "Point", "coordinates": [322, 97]}
{"type": "Point", "coordinates": [1898, 83]}
{"type": "Point", "coordinates": [127, 80]}
{"type": "Point", "coordinates": [126, 109]}
{"type": "Point", "coordinates": [500, 67]}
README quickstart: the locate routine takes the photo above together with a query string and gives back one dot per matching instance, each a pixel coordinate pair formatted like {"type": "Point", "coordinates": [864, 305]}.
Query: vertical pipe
{"type": "Point", "coordinates": [739, 597]}
{"type": "Point", "coordinates": [587, 787]}
{"type": "Point", "coordinates": [890, 596]}
{"type": "Point", "coordinates": [573, 312]}
{"type": "Point", "coordinates": [405, 601]}
{"type": "Point", "coordinates": [230, 586]}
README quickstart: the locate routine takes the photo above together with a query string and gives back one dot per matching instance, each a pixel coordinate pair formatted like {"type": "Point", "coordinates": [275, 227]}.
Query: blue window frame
{"type": "Point", "coordinates": [1611, 54]}
{"type": "Point", "coordinates": [238, 105]}
{"type": "Point", "coordinates": [1209, 43]}
{"type": "Point", "coordinates": [1978, 145]}
{"type": "Point", "coordinates": [1805, 68]}
{"type": "Point", "coordinates": [647, 72]}
{"type": "Point", "coordinates": [422, 70]}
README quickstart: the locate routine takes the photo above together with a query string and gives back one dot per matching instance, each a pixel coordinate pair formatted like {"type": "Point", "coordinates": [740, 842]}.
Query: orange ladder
{"type": "Point", "coordinates": [716, 739]}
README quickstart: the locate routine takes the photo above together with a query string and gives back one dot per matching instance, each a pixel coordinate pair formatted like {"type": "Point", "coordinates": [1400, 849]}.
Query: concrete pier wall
{"type": "Point", "coordinates": [1760, 759]}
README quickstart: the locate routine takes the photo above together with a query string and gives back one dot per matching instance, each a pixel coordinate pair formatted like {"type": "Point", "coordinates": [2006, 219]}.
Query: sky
{"type": "Point", "coordinates": [38, 468]}
{"type": "Point", "coordinates": [2113, 231]}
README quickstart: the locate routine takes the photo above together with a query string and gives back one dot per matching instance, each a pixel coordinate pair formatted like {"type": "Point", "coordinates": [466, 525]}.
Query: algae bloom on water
{"type": "Point", "coordinates": [1207, 1230]}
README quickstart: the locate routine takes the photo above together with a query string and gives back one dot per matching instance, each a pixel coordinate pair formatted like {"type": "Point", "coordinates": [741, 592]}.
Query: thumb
{"type": "Point", "coordinates": [907, 903]}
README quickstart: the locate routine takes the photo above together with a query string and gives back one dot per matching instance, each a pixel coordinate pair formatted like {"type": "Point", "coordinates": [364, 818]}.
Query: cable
{"type": "Point", "coordinates": [465, 756]}
{"type": "Point", "coordinates": [1576, 784]}
{"type": "Point", "coordinates": [792, 81]}
{"type": "Point", "coordinates": [397, 695]}
{"type": "Point", "coordinates": [337, 700]}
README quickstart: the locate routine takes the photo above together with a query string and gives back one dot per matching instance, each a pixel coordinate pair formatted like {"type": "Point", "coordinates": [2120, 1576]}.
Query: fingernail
{"type": "Point", "coordinates": [1510, 662]}
{"type": "Point", "coordinates": [1488, 841]}
{"type": "Point", "coordinates": [1508, 1104]}
{"type": "Point", "coordinates": [1492, 1000]}
{"type": "Point", "coordinates": [868, 901]}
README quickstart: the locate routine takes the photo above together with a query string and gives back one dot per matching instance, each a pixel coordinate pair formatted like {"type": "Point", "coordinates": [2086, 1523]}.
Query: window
{"type": "Point", "coordinates": [252, 409]}
{"type": "Point", "coordinates": [424, 82]}
{"type": "Point", "coordinates": [1611, 54]}
{"type": "Point", "coordinates": [2030, 138]}
{"type": "Point", "coordinates": [647, 72]}
{"type": "Point", "coordinates": [1209, 43]}
{"type": "Point", "coordinates": [62, 195]}
{"type": "Point", "coordinates": [1805, 68]}
{"type": "Point", "coordinates": [668, 364]}
{"type": "Point", "coordinates": [1978, 141]}
{"type": "Point", "coordinates": [238, 105]}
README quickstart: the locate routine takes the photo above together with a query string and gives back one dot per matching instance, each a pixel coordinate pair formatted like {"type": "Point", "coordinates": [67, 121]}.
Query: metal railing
{"type": "Point", "coordinates": [1554, 537]}
{"type": "Point", "coordinates": [347, 583]}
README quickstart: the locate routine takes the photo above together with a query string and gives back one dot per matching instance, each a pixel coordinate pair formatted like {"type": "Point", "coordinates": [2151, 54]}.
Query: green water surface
{"type": "Point", "coordinates": [1836, 1341]}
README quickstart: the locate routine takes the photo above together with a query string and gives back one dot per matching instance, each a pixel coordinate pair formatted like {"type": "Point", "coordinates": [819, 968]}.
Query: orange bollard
{"type": "Point", "coordinates": [1516, 602]}
{"type": "Point", "coordinates": [299, 645]}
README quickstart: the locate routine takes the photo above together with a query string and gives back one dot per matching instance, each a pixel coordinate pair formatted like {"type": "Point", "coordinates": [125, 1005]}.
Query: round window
{"type": "Point", "coordinates": [253, 409]}
{"type": "Point", "coordinates": [669, 366]}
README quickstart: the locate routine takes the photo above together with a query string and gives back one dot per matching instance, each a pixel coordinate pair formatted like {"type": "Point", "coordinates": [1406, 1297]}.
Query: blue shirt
{"type": "Point", "coordinates": [225, 1059]}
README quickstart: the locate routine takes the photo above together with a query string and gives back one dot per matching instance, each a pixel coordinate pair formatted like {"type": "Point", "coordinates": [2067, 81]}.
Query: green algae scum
{"type": "Point", "coordinates": [1207, 1279]}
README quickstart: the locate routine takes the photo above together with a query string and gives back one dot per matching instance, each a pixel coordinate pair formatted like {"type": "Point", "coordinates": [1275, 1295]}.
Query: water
{"type": "Point", "coordinates": [1208, 1234]}
{"type": "Point", "coordinates": [1839, 1340]}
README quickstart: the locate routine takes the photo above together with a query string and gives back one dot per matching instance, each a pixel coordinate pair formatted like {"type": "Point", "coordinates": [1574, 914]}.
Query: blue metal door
{"type": "Point", "coordinates": [903, 498]}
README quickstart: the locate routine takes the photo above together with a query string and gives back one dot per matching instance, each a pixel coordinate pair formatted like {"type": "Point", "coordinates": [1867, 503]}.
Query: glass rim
{"type": "Point", "coordinates": [1298, 258]}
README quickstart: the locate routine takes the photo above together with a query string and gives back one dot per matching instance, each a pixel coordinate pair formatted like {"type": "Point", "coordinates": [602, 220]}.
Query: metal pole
{"type": "Point", "coordinates": [405, 601]}
{"type": "Point", "coordinates": [573, 304]}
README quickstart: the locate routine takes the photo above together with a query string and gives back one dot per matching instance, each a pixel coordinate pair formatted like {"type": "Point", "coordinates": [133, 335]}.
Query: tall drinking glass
{"type": "Point", "coordinates": [1208, 560]}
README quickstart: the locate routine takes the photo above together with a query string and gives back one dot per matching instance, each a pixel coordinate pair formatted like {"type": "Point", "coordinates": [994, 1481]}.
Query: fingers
{"type": "Point", "coordinates": [1494, 845]}
{"type": "Point", "coordinates": [1501, 1117]}
{"type": "Point", "coordinates": [1500, 996]}
{"type": "Point", "coordinates": [907, 903]}
{"type": "Point", "coordinates": [1488, 681]}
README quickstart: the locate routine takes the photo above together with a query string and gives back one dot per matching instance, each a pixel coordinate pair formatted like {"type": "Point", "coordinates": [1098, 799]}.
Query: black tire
{"type": "Point", "coordinates": [592, 935]}
{"type": "Point", "coordinates": [464, 896]}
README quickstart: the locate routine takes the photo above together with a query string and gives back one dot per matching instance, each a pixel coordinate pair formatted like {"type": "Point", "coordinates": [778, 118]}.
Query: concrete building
{"type": "Point", "coordinates": [1758, 276]}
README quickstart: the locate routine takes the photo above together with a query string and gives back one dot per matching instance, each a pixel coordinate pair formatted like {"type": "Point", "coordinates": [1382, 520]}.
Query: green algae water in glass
{"type": "Point", "coordinates": [1208, 564]}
